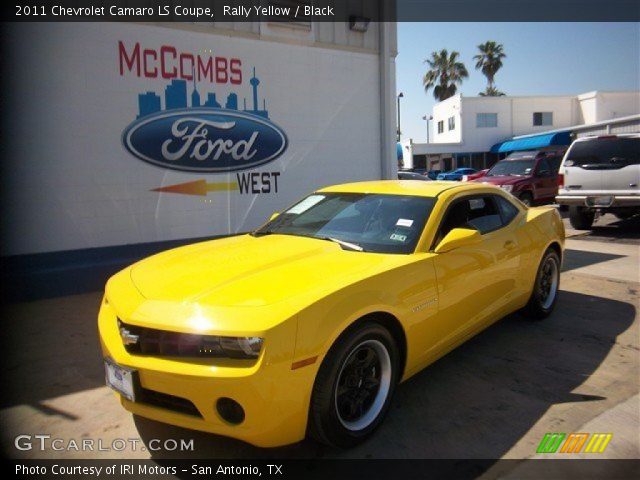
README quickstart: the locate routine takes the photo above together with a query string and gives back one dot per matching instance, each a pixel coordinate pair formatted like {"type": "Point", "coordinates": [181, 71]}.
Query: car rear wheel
{"type": "Point", "coordinates": [354, 386]}
{"type": "Point", "coordinates": [581, 218]}
{"type": "Point", "coordinates": [545, 289]}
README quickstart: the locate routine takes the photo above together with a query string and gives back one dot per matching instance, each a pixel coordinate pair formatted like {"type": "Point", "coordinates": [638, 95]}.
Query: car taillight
{"type": "Point", "coordinates": [561, 180]}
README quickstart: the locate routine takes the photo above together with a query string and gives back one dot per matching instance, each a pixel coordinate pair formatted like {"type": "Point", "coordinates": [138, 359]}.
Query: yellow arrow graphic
{"type": "Point", "coordinates": [198, 187]}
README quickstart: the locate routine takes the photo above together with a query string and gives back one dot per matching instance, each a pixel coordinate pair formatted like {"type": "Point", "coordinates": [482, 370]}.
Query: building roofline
{"type": "Point", "coordinates": [587, 126]}
{"type": "Point", "coordinates": [594, 93]}
{"type": "Point", "coordinates": [569, 95]}
{"type": "Point", "coordinates": [508, 97]}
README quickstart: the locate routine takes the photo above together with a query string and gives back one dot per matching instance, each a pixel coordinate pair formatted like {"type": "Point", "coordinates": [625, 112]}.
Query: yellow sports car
{"type": "Point", "coordinates": [307, 324]}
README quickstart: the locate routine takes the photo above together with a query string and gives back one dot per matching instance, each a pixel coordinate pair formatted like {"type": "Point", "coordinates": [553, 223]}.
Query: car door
{"type": "Point", "coordinates": [554, 163]}
{"type": "Point", "coordinates": [477, 282]}
{"type": "Point", "coordinates": [546, 182]}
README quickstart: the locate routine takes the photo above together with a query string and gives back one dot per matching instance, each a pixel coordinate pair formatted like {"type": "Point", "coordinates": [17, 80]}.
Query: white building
{"type": "Point", "coordinates": [100, 169]}
{"type": "Point", "coordinates": [465, 129]}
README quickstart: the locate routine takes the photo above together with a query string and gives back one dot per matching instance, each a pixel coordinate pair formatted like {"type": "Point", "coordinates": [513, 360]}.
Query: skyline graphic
{"type": "Point", "coordinates": [176, 96]}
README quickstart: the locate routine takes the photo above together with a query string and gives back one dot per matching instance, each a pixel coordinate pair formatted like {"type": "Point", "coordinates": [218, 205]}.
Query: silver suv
{"type": "Point", "coordinates": [601, 175]}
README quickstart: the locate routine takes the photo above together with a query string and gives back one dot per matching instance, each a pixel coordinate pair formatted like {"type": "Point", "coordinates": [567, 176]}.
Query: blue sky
{"type": "Point", "coordinates": [542, 59]}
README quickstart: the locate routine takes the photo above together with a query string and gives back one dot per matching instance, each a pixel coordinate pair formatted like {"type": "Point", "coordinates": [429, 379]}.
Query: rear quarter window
{"type": "Point", "coordinates": [507, 210]}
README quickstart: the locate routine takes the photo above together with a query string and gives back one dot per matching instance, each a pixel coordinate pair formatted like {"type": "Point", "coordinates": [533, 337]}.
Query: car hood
{"type": "Point", "coordinates": [249, 271]}
{"type": "Point", "coordinates": [501, 179]}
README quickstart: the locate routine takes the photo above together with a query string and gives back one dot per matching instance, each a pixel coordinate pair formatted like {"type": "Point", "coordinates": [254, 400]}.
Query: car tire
{"type": "Point", "coordinates": [346, 405]}
{"type": "Point", "coordinates": [545, 288]}
{"type": "Point", "coordinates": [581, 218]}
{"type": "Point", "coordinates": [526, 198]}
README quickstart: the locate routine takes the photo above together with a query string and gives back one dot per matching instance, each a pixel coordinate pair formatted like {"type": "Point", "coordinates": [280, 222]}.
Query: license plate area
{"type": "Point", "coordinates": [600, 201]}
{"type": "Point", "coordinates": [123, 380]}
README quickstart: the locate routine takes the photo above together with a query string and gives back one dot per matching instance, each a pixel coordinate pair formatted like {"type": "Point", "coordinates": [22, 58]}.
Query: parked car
{"type": "Point", "coordinates": [307, 324]}
{"type": "Point", "coordinates": [531, 176]}
{"type": "Point", "coordinates": [456, 174]}
{"type": "Point", "coordinates": [433, 174]}
{"type": "Point", "coordinates": [473, 176]}
{"type": "Point", "coordinates": [412, 176]}
{"type": "Point", "coordinates": [601, 175]}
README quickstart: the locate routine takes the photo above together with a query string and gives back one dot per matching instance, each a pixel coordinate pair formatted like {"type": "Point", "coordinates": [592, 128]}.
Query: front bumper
{"type": "Point", "coordinates": [584, 200]}
{"type": "Point", "coordinates": [274, 397]}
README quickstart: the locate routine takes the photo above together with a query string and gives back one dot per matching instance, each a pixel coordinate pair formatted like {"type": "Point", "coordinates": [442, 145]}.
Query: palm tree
{"type": "Point", "coordinates": [445, 72]}
{"type": "Point", "coordinates": [489, 61]}
{"type": "Point", "coordinates": [492, 92]}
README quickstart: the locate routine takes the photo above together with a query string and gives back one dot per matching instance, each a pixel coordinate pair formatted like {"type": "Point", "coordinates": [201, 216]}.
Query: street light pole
{"type": "Point", "coordinates": [400, 95]}
{"type": "Point", "coordinates": [430, 117]}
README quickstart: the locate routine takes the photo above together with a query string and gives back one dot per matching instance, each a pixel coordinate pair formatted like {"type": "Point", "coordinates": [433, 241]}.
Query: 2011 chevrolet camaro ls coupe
{"type": "Point", "coordinates": [307, 324]}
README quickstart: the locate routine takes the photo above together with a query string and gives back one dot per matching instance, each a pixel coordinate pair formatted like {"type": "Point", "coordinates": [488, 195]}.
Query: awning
{"type": "Point", "coordinates": [533, 143]}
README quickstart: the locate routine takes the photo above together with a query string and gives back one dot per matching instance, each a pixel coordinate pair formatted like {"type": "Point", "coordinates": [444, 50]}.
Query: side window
{"type": "Point", "coordinates": [555, 164]}
{"type": "Point", "coordinates": [479, 212]}
{"type": "Point", "coordinates": [544, 169]}
{"type": "Point", "coordinates": [507, 209]}
{"type": "Point", "coordinates": [483, 214]}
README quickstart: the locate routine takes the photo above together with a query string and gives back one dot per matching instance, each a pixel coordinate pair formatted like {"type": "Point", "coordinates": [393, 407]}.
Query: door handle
{"type": "Point", "coordinates": [509, 244]}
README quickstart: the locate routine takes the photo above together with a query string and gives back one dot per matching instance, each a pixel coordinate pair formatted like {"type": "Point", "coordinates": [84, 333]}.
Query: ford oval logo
{"type": "Point", "coordinates": [205, 140]}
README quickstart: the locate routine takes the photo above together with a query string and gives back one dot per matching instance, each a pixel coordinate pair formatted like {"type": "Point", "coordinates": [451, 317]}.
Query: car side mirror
{"type": "Point", "coordinates": [274, 215]}
{"type": "Point", "coordinates": [458, 237]}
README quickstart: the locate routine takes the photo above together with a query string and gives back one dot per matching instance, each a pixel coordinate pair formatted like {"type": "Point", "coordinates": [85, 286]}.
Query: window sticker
{"type": "Point", "coordinates": [476, 203]}
{"type": "Point", "coordinates": [398, 238]}
{"type": "Point", "coordinates": [404, 222]}
{"type": "Point", "coordinates": [305, 204]}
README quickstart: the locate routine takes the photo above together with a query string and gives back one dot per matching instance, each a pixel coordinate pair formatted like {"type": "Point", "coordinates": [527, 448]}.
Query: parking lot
{"type": "Point", "coordinates": [494, 397]}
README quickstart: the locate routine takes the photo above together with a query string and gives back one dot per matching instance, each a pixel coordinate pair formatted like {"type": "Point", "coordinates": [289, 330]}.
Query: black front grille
{"type": "Point", "coordinates": [150, 341]}
{"type": "Point", "coordinates": [168, 402]}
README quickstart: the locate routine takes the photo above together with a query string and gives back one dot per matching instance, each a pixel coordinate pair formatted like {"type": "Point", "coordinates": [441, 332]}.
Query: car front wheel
{"type": "Point", "coordinates": [354, 386]}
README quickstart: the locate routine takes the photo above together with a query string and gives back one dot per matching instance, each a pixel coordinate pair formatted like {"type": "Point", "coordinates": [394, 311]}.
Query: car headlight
{"type": "Point", "coordinates": [241, 347]}
{"type": "Point", "coordinates": [507, 188]}
{"type": "Point", "coordinates": [149, 341]}
{"type": "Point", "coordinates": [217, 346]}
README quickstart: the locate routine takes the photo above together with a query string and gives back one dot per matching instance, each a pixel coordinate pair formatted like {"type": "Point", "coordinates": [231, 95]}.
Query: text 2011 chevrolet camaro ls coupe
{"type": "Point", "coordinates": [308, 323]}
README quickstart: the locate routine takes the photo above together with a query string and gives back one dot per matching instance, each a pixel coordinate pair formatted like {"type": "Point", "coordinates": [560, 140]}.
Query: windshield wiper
{"type": "Point", "coordinates": [261, 233]}
{"type": "Point", "coordinates": [342, 243]}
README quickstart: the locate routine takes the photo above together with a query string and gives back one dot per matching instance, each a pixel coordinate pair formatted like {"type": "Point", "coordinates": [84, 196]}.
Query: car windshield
{"type": "Point", "coordinates": [512, 167]}
{"type": "Point", "coordinates": [357, 221]}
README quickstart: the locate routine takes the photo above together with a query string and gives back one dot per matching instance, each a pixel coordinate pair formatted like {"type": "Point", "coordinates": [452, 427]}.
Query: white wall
{"type": "Point", "coordinates": [524, 107]}
{"type": "Point", "coordinates": [588, 108]}
{"type": "Point", "coordinates": [476, 139]}
{"type": "Point", "coordinates": [515, 117]}
{"type": "Point", "coordinates": [616, 104]}
{"type": "Point", "coordinates": [70, 184]}
{"type": "Point", "coordinates": [442, 111]}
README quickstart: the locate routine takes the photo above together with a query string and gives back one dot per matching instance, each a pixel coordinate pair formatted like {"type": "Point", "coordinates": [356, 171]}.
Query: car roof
{"type": "Point", "coordinates": [613, 135]}
{"type": "Point", "coordinates": [418, 188]}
